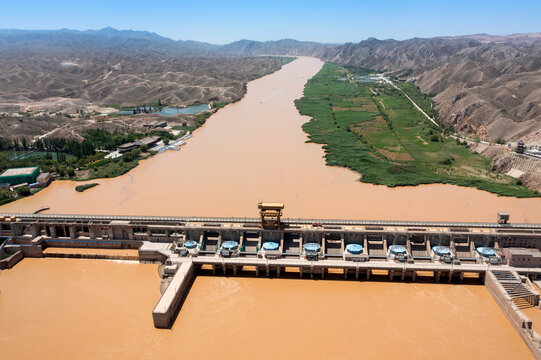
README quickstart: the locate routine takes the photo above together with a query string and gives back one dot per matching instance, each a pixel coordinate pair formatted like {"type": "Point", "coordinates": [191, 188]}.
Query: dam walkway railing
{"type": "Point", "coordinates": [288, 221]}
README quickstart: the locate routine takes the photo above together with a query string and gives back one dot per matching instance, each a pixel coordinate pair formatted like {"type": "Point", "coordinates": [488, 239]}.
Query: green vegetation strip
{"type": "Point", "coordinates": [373, 129]}
{"type": "Point", "coordinates": [286, 59]}
{"type": "Point", "coordinates": [81, 188]}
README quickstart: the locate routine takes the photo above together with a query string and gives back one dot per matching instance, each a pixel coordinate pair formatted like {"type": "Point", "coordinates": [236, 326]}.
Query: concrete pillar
{"type": "Point", "coordinates": [34, 230]}
{"type": "Point", "coordinates": [391, 275]}
{"type": "Point", "coordinates": [73, 231]}
{"type": "Point", "coordinates": [345, 273]}
{"type": "Point", "coordinates": [461, 277]}
{"type": "Point", "coordinates": [357, 272]}
{"type": "Point", "coordinates": [267, 269]}
{"type": "Point", "coordinates": [92, 232]}
{"type": "Point", "coordinates": [52, 229]}
{"type": "Point", "coordinates": [16, 229]}
{"type": "Point", "coordinates": [278, 271]}
{"type": "Point", "coordinates": [403, 274]}
{"type": "Point", "coordinates": [201, 238]}
{"type": "Point", "coordinates": [368, 271]}
{"type": "Point", "coordinates": [438, 275]}
{"type": "Point", "coordinates": [450, 275]}
{"type": "Point", "coordinates": [224, 268]}
{"type": "Point", "coordinates": [414, 276]}
{"type": "Point", "coordinates": [130, 233]}
{"type": "Point", "coordinates": [365, 243]}
{"type": "Point", "coordinates": [311, 272]}
{"type": "Point", "coordinates": [235, 270]}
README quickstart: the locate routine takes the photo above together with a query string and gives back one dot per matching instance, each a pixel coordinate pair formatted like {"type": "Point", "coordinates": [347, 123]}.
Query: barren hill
{"type": "Point", "coordinates": [119, 67]}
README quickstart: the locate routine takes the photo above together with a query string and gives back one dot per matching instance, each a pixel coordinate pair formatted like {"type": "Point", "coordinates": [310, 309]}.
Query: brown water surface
{"type": "Point", "coordinates": [255, 149]}
{"type": "Point", "coordinates": [92, 309]}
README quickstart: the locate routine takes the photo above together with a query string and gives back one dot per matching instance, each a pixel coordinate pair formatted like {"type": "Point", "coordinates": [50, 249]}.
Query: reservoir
{"type": "Point", "coordinates": [170, 110]}
{"type": "Point", "coordinates": [255, 149]}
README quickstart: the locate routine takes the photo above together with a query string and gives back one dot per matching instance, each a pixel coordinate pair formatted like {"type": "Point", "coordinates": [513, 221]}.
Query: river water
{"type": "Point", "coordinates": [255, 149]}
{"type": "Point", "coordinates": [95, 309]}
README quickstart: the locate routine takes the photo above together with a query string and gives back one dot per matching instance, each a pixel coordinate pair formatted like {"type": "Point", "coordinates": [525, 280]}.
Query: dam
{"type": "Point", "coordinates": [311, 248]}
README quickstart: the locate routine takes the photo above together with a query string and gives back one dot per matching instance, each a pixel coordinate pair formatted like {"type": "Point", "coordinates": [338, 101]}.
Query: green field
{"type": "Point", "coordinates": [374, 129]}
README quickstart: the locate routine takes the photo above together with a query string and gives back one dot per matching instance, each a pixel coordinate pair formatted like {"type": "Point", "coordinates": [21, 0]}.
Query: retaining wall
{"type": "Point", "coordinates": [521, 323]}
{"type": "Point", "coordinates": [10, 261]}
{"type": "Point", "coordinates": [174, 294]}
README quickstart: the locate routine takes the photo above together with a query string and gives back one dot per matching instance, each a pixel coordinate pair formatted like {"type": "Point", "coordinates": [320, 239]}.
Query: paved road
{"type": "Point", "coordinates": [413, 102]}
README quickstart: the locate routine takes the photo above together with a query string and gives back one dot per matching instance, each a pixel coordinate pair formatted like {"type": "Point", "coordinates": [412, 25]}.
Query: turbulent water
{"type": "Point", "coordinates": [255, 149]}
{"type": "Point", "coordinates": [95, 309]}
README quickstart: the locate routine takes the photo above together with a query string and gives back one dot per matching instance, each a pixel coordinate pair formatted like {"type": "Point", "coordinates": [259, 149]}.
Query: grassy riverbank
{"type": "Point", "coordinates": [374, 129]}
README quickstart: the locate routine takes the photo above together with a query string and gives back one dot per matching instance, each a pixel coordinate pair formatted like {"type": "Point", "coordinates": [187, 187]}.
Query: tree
{"type": "Point", "coordinates": [24, 191]}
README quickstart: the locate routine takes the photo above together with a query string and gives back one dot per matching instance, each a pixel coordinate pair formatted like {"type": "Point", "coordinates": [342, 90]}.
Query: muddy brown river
{"type": "Point", "coordinates": [251, 150]}
{"type": "Point", "coordinates": [96, 309]}
{"type": "Point", "coordinates": [255, 149]}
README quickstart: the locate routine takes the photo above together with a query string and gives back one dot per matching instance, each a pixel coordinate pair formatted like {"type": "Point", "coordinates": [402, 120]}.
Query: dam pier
{"type": "Point", "coordinates": [270, 246]}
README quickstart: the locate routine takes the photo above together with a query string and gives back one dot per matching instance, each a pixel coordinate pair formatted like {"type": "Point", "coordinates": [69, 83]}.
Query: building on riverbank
{"type": "Point", "coordinates": [14, 176]}
{"type": "Point", "coordinates": [149, 141]}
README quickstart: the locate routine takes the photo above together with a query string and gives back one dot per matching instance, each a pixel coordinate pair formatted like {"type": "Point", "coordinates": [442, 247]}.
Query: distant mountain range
{"type": "Point", "coordinates": [109, 39]}
{"type": "Point", "coordinates": [484, 85]}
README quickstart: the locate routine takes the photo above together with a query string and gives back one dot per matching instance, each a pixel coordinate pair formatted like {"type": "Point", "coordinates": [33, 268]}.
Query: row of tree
{"type": "Point", "coordinates": [79, 149]}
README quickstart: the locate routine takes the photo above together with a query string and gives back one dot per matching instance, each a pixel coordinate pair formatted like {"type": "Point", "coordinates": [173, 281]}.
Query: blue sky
{"type": "Point", "coordinates": [337, 21]}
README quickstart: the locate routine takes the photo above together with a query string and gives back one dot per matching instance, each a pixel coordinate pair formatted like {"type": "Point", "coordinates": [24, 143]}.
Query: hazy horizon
{"type": "Point", "coordinates": [221, 23]}
{"type": "Point", "coordinates": [248, 39]}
